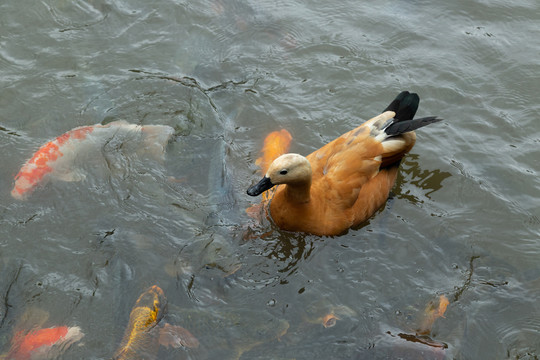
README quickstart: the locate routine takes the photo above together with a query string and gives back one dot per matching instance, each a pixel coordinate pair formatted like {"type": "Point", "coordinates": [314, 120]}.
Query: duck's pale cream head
{"type": "Point", "coordinates": [287, 169]}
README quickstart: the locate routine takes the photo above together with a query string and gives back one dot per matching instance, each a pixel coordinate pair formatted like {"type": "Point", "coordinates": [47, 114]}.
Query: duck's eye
{"type": "Point", "coordinates": [283, 172]}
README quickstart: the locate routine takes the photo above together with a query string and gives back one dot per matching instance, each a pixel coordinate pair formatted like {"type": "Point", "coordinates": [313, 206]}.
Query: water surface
{"type": "Point", "coordinates": [463, 220]}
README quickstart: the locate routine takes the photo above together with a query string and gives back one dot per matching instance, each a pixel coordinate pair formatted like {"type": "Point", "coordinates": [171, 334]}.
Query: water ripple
{"type": "Point", "coordinates": [78, 14]}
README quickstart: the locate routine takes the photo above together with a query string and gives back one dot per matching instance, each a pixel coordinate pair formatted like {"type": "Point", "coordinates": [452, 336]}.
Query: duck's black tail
{"type": "Point", "coordinates": [405, 106]}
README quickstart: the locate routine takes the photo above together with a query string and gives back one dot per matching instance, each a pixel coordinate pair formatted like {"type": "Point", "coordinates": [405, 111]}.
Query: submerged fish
{"type": "Point", "coordinates": [56, 158]}
{"type": "Point", "coordinates": [275, 144]}
{"type": "Point", "coordinates": [431, 313]}
{"type": "Point", "coordinates": [143, 336]}
{"type": "Point", "coordinates": [42, 343]}
{"type": "Point", "coordinates": [326, 313]}
{"type": "Point", "coordinates": [228, 333]}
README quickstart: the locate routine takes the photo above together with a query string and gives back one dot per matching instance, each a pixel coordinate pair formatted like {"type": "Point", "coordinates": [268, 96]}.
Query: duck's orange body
{"type": "Point", "coordinates": [343, 183]}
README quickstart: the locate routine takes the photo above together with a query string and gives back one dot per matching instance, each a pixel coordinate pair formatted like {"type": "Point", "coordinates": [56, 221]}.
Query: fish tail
{"type": "Point", "coordinates": [18, 193]}
{"type": "Point", "coordinates": [155, 139]}
{"type": "Point", "coordinates": [276, 144]}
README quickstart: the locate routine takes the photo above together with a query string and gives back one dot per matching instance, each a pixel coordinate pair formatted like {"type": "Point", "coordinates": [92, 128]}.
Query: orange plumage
{"type": "Point", "coordinates": [343, 183]}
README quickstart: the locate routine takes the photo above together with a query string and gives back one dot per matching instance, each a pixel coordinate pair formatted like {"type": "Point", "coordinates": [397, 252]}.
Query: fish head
{"type": "Point", "coordinates": [153, 300]}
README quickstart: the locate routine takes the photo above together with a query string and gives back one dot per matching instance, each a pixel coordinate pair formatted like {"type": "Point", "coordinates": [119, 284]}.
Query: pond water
{"type": "Point", "coordinates": [463, 221]}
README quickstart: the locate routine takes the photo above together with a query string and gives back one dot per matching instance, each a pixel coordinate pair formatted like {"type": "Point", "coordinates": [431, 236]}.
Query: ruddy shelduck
{"type": "Point", "coordinates": [342, 184]}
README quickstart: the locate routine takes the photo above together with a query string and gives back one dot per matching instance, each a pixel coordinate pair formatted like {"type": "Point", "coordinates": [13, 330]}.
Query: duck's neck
{"type": "Point", "coordinates": [299, 192]}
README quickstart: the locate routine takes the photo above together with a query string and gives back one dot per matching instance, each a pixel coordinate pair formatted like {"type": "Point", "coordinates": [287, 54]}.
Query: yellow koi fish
{"type": "Point", "coordinates": [143, 335]}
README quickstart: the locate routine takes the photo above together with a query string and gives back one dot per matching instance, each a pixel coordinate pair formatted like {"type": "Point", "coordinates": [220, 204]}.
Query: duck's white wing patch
{"type": "Point", "coordinates": [393, 145]}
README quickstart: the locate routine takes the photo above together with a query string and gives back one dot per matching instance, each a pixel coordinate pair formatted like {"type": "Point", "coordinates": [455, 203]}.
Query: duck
{"type": "Point", "coordinates": [342, 184]}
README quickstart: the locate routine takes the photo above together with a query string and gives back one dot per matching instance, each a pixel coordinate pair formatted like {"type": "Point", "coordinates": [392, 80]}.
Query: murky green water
{"type": "Point", "coordinates": [463, 221]}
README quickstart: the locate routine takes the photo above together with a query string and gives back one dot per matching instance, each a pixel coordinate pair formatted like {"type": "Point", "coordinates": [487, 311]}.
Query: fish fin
{"type": "Point", "coordinates": [74, 334]}
{"type": "Point", "coordinates": [117, 123]}
{"type": "Point", "coordinates": [155, 138]}
{"type": "Point", "coordinates": [275, 144]}
{"type": "Point", "coordinates": [33, 317]}
{"type": "Point", "coordinates": [176, 336]}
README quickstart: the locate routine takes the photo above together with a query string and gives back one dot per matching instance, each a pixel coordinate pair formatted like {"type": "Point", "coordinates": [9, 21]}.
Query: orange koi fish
{"type": "Point", "coordinates": [432, 313]}
{"type": "Point", "coordinates": [275, 144]}
{"type": "Point", "coordinates": [421, 336]}
{"type": "Point", "coordinates": [329, 320]}
{"type": "Point", "coordinates": [143, 337]}
{"type": "Point", "coordinates": [39, 344]}
{"type": "Point", "coordinates": [55, 159]}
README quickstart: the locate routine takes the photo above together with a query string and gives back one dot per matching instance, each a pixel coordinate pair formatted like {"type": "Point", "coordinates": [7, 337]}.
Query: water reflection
{"type": "Point", "coordinates": [223, 74]}
{"type": "Point", "coordinates": [411, 172]}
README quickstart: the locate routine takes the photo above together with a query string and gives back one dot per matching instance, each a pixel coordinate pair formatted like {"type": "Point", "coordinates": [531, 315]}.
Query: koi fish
{"type": "Point", "coordinates": [275, 144]}
{"type": "Point", "coordinates": [143, 336]}
{"type": "Point", "coordinates": [326, 313]}
{"type": "Point", "coordinates": [39, 344]}
{"type": "Point", "coordinates": [432, 313]}
{"type": "Point", "coordinates": [422, 335]}
{"type": "Point", "coordinates": [227, 333]}
{"type": "Point", "coordinates": [55, 159]}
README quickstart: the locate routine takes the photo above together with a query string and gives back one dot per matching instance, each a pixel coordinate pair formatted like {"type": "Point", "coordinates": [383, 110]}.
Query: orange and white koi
{"type": "Point", "coordinates": [56, 157]}
{"type": "Point", "coordinates": [39, 344]}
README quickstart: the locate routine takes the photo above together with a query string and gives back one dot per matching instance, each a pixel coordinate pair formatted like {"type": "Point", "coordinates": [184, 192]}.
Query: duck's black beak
{"type": "Point", "coordinates": [260, 187]}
